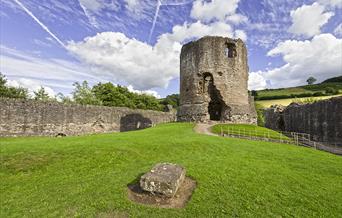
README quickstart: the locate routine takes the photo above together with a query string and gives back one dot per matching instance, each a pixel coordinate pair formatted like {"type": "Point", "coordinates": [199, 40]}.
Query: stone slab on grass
{"type": "Point", "coordinates": [164, 178]}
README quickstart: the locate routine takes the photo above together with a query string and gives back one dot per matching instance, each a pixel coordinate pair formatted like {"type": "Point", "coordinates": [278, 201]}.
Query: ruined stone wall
{"type": "Point", "coordinates": [30, 117]}
{"type": "Point", "coordinates": [322, 119]}
{"type": "Point", "coordinates": [213, 82]}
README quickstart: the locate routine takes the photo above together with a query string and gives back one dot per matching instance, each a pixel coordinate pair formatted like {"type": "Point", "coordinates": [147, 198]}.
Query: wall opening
{"type": "Point", "coordinates": [230, 50]}
{"type": "Point", "coordinates": [215, 101]}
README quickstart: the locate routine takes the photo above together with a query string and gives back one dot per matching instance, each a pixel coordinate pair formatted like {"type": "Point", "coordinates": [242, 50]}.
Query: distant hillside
{"type": "Point", "coordinates": [337, 79]}
{"type": "Point", "coordinates": [327, 88]}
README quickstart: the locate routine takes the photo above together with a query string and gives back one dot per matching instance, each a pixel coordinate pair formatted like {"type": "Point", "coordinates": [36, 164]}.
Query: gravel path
{"type": "Point", "coordinates": [204, 128]}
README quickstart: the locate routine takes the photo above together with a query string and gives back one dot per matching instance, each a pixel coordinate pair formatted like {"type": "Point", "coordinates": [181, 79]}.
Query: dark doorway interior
{"type": "Point", "coordinates": [215, 103]}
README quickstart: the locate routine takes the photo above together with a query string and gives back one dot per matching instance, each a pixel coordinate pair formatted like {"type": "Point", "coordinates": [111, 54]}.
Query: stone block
{"type": "Point", "coordinates": [164, 178]}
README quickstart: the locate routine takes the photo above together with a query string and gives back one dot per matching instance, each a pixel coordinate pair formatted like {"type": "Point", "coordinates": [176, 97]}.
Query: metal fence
{"type": "Point", "coordinates": [301, 139]}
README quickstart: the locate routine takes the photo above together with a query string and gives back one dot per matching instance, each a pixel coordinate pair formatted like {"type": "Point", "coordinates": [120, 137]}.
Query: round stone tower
{"type": "Point", "coordinates": [213, 82]}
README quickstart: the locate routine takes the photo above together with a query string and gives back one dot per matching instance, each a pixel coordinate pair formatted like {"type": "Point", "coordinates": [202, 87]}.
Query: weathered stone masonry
{"type": "Point", "coordinates": [213, 82]}
{"type": "Point", "coordinates": [322, 120]}
{"type": "Point", "coordinates": [30, 117]}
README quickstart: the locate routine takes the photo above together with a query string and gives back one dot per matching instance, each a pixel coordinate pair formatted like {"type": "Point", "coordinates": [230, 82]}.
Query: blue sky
{"type": "Point", "coordinates": [55, 43]}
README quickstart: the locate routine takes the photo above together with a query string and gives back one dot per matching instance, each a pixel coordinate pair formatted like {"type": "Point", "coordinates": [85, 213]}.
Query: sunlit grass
{"type": "Point", "coordinates": [87, 176]}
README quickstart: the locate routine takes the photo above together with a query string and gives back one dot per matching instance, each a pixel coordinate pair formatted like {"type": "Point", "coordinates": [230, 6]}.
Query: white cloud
{"type": "Point", "coordinates": [333, 3]}
{"type": "Point", "coordinates": [214, 10]}
{"type": "Point", "coordinates": [338, 30]}
{"type": "Point", "coordinates": [181, 33]}
{"type": "Point", "coordinates": [139, 64]}
{"type": "Point", "coordinates": [147, 92]}
{"type": "Point", "coordinates": [256, 81]}
{"type": "Point", "coordinates": [319, 57]}
{"type": "Point", "coordinates": [241, 34]}
{"type": "Point", "coordinates": [92, 5]}
{"type": "Point", "coordinates": [307, 20]}
{"type": "Point", "coordinates": [54, 73]}
{"type": "Point", "coordinates": [132, 4]}
{"type": "Point", "coordinates": [32, 86]}
{"type": "Point", "coordinates": [129, 60]}
{"type": "Point", "coordinates": [237, 18]}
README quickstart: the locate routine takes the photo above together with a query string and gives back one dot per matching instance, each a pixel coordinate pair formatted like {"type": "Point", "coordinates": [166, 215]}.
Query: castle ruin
{"type": "Point", "coordinates": [214, 80]}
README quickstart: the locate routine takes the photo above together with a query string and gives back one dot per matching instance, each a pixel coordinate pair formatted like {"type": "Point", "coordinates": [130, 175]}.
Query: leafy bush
{"type": "Point", "coordinates": [318, 94]}
{"type": "Point", "coordinates": [305, 100]}
{"type": "Point", "coordinates": [260, 114]}
{"type": "Point", "coordinates": [331, 90]}
{"type": "Point", "coordinates": [11, 92]}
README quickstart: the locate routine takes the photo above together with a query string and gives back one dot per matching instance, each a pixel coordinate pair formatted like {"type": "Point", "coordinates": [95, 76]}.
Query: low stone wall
{"type": "Point", "coordinates": [322, 119]}
{"type": "Point", "coordinates": [29, 117]}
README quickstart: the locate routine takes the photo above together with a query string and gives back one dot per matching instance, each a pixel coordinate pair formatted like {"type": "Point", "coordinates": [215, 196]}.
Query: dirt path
{"type": "Point", "coordinates": [204, 128]}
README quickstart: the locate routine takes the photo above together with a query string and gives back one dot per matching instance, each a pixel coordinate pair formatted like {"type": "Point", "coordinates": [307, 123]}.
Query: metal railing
{"type": "Point", "coordinates": [300, 139]}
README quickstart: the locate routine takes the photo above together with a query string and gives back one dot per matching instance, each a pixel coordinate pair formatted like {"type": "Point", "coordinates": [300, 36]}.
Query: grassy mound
{"type": "Point", "coordinates": [87, 176]}
{"type": "Point", "coordinates": [248, 130]}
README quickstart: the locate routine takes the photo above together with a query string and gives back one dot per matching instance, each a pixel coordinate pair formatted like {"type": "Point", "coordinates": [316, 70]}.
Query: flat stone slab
{"type": "Point", "coordinates": [164, 178]}
{"type": "Point", "coordinates": [179, 200]}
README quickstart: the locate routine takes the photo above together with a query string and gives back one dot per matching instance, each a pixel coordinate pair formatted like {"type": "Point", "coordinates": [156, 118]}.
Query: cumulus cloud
{"type": "Point", "coordinates": [216, 10]}
{"type": "Point", "coordinates": [319, 57]}
{"type": "Point", "coordinates": [256, 81]}
{"type": "Point", "coordinates": [32, 86]}
{"type": "Point", "coordinates": [139, 64]}
{"type": "Point", "coordinates": [128, 60]}
{"type": "Point", "coordinates": [307, 20]}
{"type": "Point", "coordinates": [147, 92]}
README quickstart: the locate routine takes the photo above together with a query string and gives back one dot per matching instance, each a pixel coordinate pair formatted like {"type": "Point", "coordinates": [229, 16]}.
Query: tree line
{"type": "Point", "coordinates": [105, 94]}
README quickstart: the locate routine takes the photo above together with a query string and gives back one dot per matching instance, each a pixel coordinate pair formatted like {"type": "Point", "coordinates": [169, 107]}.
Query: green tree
{"type": "Point", "coordinates": [171, 100]}
{"type": "Point", "coordinates": [120, 96]}
{"type": "Point", "coordinates": [311, 80]}
{"type": "Point", "coordinates": [254, 93]}
{"type": "Point", "coordinates": [41, 94]}
{"type": "Point", "coordinates": [11, 92]}
{"type": "Point", "coordinates": [64, 99]}
{"type": "Point", "coordinates": [115, 96]}
{"type": "Point", "coordinates": [331, 91]}
{"type": "Point", "coordinates": [83, 94]}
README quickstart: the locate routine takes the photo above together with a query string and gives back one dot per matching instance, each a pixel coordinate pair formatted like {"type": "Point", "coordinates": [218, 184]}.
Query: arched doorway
{"type": "Point", "coordinates": [215, 103]}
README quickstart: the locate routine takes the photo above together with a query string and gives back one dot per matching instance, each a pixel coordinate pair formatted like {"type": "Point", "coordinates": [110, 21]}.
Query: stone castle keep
{"type": "Point", "coordinates": [213, 75]}
{"type": "Point", "coordinates": [213, 82]}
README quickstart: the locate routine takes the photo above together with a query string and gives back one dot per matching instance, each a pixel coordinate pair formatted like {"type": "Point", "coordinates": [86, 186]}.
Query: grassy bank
{"type": "Point", "coordinates": [87, 176]}
{"type": "Point", "coordinates": [248, 130]}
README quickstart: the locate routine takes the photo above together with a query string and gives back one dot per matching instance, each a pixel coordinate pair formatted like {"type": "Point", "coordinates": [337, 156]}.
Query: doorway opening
{"type": "Point", "coordinates": [215, 100]}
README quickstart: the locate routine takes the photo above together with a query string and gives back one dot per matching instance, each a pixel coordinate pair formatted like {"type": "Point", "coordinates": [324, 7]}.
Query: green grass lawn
{"type": "Point", "coordinates": [87, 176]}
{"type": "Point", "coordinates": [248, 130]}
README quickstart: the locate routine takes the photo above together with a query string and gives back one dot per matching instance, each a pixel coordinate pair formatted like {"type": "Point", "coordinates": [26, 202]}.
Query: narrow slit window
{"type": "Point", "coordinates": [230, 50]}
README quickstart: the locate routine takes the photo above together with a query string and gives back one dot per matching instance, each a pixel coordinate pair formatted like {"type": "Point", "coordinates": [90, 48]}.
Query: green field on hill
{"type": "Point", "coordinates": [87, 176]}
{"type": "Point", "coordinates": [287, 101]}
{"type": "Point", "coordinates": [322, 89]}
